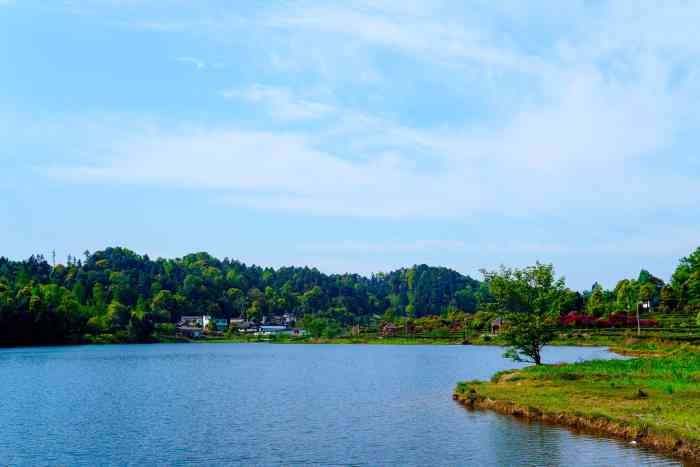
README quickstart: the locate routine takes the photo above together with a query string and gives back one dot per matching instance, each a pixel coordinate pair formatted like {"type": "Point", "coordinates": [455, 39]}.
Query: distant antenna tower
{"type": "Point", "coordinates": [53, 257]}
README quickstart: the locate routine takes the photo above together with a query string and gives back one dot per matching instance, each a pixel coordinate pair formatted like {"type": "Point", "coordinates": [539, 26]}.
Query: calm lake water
{"type": "Point", "coordinates": [258, 404]}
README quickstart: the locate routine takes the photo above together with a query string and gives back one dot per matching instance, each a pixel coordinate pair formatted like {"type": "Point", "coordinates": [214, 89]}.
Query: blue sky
{"type": "Point", "coordinates": [356, 136]}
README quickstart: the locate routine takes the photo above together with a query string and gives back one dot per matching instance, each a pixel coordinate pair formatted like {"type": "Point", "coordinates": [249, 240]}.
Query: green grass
{"type": "Point", "coordinates": [659, 395]}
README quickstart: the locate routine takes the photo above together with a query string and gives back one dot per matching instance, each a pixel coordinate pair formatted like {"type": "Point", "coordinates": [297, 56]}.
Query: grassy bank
{"type": "Point", "coordinates": [653, 401]}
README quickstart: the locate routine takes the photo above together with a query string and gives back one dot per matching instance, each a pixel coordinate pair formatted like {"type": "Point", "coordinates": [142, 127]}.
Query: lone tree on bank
{"type": "Point", "coordinates": [529, 299]}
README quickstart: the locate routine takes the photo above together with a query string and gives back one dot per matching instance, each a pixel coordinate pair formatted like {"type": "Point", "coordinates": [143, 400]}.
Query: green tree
{"type": "Point", "coordinates": [98, 296]}
{"type": "Point", "coordinates": [692, 288]}
{"type": "Point", "coordinates": [410, 310]}
{"type": "Point", "coordinates": [466, 300]}
{"type": "Point", "coordinates": [529, 299]}
{"type": "Point", "coordinates": [332, 329]}
{"type": "Point", "coordinates": [237, 299]}
{"type": "Point", "coordinates": [314, 325]}
{"type": "Point", "coordinates": [118, 315]}
{"type": "Point", "coordinates": [256, 310]}
{"type": "Point", "coordinates": [646, 292]}
{"type": "Point", "coordinates": [686, 281]}
{"type": "Point", "coordinates": [624, 293]}
{"type": "Point", "coordinates": [312, 300]}
{"type": "Point", "coordinates": [163, 305]}
{"type": "Point", "coordinates": [570, 301]}
{"type": "Point", "coordinates": [668, 299]}
{"type": "Point", "coordinates": [80, 292]}
{"type": "Point", "coordinates": [140, 327]}
{"type": "Point", "coordinates": [596, 304]}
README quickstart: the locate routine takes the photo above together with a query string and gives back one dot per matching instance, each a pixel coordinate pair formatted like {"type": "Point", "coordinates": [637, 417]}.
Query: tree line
{"type": "Point", "coordinates": [116, 291]}
{"type": "Point", "coordinates": [120, 292]}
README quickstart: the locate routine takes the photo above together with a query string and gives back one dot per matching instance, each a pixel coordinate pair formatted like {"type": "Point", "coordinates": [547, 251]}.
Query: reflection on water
{"type": "Point", "coordinates": [257, 404]}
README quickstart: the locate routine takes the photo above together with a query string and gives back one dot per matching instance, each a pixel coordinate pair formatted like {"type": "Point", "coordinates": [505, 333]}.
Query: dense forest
{"type": "Point", "coordinates": [118, 292]}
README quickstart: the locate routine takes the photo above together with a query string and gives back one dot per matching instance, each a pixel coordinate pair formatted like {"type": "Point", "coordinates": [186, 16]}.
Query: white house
{"type": "Point", "coordinates": [270, 330]}
{"type": "Point", "coordinates": [202, 322]}
{"type": "Point", "coordinates": [192, 321]}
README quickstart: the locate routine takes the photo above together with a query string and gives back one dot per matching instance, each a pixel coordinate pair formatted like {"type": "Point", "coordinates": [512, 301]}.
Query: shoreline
{"type": "Point", "coordinates": [618, 345]}
{"type": "Point", "coordinates": [600, 426]}
{"type": "Point", "coordinates": [650, 402]}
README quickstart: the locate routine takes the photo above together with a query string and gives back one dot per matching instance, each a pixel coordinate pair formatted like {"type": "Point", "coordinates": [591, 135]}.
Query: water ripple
{"type": "Point", "coordinates": [211, 405]}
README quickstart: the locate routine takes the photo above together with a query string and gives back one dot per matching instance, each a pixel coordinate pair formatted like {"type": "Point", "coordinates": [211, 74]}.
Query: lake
{"type": "Point", "coordinates": [266, 404]}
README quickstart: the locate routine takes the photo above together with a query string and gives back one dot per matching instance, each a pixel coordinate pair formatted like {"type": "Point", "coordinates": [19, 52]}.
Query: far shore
{"type": "Point", "coordinates": [616, 344]}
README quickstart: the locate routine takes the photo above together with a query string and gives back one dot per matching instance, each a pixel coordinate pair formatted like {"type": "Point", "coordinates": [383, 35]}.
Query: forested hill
{"type": "Point", "coordinates": [117, 288]}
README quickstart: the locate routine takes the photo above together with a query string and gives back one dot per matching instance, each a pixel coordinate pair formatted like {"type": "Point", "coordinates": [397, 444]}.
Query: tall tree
{"type": "Point", "coordinates": [530, 299]}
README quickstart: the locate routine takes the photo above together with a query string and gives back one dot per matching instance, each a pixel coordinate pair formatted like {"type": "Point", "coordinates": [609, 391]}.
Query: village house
{"type": "Point", "coordinates": [277, 330]}
{"type": "Point", "coordinates": [192, 321]}
{"type": "Point", "coordinates": [296, 332]}
{"type": "Point", "coordinates": [389, 330]}
{"type": "Point", "coordinates": [242, 325]}
{"type": "Point", "coordinates": [496, 326]}
{"type": "Point", "coordinates": [220, 324]}
{"type": "Point", "coordinates": [196, 326]}
{"type": "Point", "coordinates": [272, 330]}
{"type": "Point", "coordinates": [192, 333]}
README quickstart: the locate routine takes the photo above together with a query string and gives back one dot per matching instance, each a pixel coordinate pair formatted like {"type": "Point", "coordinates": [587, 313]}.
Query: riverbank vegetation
{"type": "Point", "coordinates": [116, 295]}
{"type": "Point", "coordinates": [651, 400]}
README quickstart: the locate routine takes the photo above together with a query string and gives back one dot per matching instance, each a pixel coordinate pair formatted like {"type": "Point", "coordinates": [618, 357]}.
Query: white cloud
{"type": "Point", "coordinates": [524, 167]}
{"type": "Point", "coordinates": [260, 169]}
{"type": "Point", "coordinates": [410, 31]}
{"type": "Point", "coordinates": [281, 102]}
{"type": "Point", "coordinates": [606, 92]}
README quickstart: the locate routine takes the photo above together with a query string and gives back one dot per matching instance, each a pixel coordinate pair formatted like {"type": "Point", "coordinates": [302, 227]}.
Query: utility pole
{"type": "Point", "coordinates": [639, 329]}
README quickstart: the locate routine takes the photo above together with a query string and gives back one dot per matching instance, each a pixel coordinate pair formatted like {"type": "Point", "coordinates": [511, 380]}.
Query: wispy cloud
{"type": "Point", "coordinates": [585, 110]}
{"type": "Point", "coordinates": [527, 130]}
{"type": "Point", "coordinates": [281, 102]}
{"type": "Point", "coordinates": [412, 32]}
